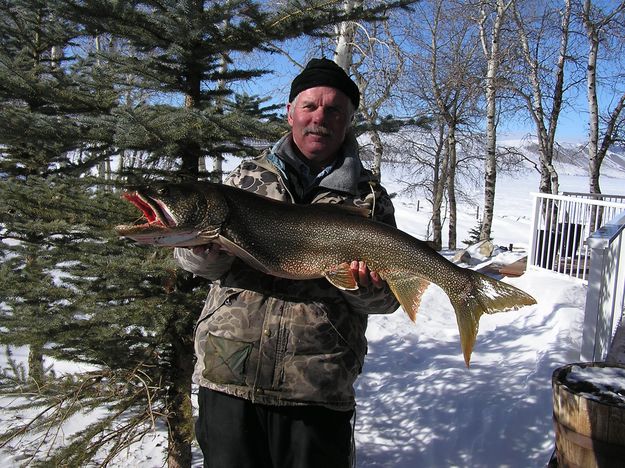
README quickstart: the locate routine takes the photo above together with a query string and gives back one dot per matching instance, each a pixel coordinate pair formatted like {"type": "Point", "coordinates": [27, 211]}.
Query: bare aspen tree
{"type": "Point", "coordinates": [491, 21]}
{"type": "Point", "coordinates": [377, 72]}
{"type": "Point", "coordinates": [453, 88]}
{"type": "Point", "coordinates": [345, 36]}
{"type": "Point", "coordinates": [423, 82]}
{"type": "Point", "coordinates": [445, 64]}
{"type": "Point", "coordinates": [440, 171]}
{"type": "Point", "coordinates": [544, 95]}
{"type": "Point", "coordinates": [425, 164]}
{"type": "Point", "coordinates": [369, 52]}
{"type": "Point", "coordinates": [597, 24]}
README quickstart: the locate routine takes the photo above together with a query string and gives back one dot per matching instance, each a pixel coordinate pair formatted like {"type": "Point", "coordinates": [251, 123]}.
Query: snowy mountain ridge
{"type": "Point", "coordinates": [571, 158]}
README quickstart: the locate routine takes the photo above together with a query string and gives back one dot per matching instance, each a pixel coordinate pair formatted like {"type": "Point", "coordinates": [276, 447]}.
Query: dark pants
{"type": "Point", "coordinates": [235, 433]}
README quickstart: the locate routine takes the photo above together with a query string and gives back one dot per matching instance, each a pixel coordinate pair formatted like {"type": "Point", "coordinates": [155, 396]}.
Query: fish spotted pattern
{"type": "Point", "coordinates": [317, 241]}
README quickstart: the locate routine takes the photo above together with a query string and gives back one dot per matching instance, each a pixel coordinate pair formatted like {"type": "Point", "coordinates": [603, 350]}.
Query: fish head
{"type": "Point", "coordinates": [175, 215]}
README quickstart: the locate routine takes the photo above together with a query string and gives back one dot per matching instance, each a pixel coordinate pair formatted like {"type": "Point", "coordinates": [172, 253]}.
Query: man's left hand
{"type": "Point", "coordinates": [365, 277]}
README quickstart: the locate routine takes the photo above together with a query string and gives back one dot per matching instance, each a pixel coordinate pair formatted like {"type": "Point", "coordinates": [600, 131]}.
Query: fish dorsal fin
{"type": "Point", "coordinates": [341, 276]}
{"type": "Point", "coordinates": [408, 290]}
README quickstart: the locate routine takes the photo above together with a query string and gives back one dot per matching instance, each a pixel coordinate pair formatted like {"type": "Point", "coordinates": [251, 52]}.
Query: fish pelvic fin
{"type": "Point", "coordinates": [341, 277]}
{"type": "Point", "coordinates": [408, 290]}
{"type": "Point", "coordinates": [485, 296]}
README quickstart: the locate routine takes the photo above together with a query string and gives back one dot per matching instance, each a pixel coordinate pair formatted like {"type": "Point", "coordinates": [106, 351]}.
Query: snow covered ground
{"type": "Point", "coordinates": [418, 405]}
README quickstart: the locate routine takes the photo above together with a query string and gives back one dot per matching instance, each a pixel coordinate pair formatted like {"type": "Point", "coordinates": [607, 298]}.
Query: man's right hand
{"type": "Point", "coordinates": [209, 252]}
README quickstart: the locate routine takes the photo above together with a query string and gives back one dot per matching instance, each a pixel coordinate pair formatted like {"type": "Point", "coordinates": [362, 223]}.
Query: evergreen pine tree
{"type": "Point", "coordinates": [71, 290]}
{"type": "Point", "coordinates": [46, 112]}
{"type": "Point", "coordinates": [52, 102]}
{"type": "Point", "coordinates": [54, 127]}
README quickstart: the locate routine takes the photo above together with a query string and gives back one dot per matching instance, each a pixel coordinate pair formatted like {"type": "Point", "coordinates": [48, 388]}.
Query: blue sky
{"type": "Point", "coordinates": [572, 125]}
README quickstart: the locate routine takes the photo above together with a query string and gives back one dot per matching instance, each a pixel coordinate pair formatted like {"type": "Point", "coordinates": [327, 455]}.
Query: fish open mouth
{"type": "Point", "coordinates": [155, 212]}
{"type": "Point", "coordinates": [158, 225]}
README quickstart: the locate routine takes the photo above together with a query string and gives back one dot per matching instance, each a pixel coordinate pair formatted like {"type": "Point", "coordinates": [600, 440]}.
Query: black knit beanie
{"type": "Point", "coordinates": [324, 72]}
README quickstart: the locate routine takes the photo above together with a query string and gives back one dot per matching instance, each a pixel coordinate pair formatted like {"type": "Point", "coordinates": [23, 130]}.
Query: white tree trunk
{"type": "Point", "coordinates": [491, 46]}
{"type": "Point", "coordinates": [592, 34]}
{"type": "Point", "coordinates": [345, 35]}
{"type": "Point", "coordinates": [546, 123]}
{"type": "Point", "coordinates": [598, 145]}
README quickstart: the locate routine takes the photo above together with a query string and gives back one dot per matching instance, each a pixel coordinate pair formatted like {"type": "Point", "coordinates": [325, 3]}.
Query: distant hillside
{"type": "Point", "coordinates": [571, 158]}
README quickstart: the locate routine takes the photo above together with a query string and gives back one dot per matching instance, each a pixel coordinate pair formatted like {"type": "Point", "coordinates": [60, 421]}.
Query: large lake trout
{"type": "Point", "coordinates": [312, 241]}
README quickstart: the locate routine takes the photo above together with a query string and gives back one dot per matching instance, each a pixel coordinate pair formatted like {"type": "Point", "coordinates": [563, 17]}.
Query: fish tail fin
{"type": "Point", "coordinates": [485, 296]}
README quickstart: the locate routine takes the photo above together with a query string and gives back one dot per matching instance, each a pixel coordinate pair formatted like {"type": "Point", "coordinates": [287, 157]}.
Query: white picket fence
{"type": "Point", "coordinates": [581, 235]}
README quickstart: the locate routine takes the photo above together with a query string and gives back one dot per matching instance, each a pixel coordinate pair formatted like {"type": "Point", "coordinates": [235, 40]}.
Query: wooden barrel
{"type": "Point", "coordinates": [589, 419]}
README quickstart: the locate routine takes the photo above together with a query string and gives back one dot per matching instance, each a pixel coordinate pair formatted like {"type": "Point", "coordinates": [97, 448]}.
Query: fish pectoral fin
{"type": "Point", "coordinates": [209, 235]}
{"type": "Point", "coordinates": [243, 254]}
{"type": "Point", "coordinates": [408, 290]}
{"type": "Point", "coordinates": [341, 277]}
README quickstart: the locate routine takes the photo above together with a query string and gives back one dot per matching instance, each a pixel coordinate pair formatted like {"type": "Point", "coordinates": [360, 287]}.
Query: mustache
{"type": "Point", "coordinates": [318, 130]}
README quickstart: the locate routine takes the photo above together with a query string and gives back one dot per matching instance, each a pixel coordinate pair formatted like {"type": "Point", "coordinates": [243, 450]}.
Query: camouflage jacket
{"type": "Point", "coordinates": [284, 342]}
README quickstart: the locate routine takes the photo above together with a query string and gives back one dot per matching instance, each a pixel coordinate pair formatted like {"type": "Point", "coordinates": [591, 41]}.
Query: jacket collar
{"type": "Point", "coordinates": [342, 176]}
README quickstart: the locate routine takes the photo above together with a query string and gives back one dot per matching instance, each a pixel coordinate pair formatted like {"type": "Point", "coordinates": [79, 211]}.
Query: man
{"type": "Point", "coordinates": [277, 358]}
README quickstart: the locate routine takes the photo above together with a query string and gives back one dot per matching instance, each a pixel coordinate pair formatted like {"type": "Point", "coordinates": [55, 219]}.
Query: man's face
{"type": "Point", "coordinates": [319, 118]}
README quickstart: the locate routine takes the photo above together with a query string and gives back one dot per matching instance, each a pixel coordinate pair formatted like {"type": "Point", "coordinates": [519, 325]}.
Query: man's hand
{"type": "Point", "coordinates": [208, 252]}
{"type": "Point", "coordinates": [364, 277]}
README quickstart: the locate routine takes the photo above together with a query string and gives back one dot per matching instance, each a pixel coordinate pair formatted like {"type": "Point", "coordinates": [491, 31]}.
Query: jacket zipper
{"type": "Point", "coordinates": [281, 342]}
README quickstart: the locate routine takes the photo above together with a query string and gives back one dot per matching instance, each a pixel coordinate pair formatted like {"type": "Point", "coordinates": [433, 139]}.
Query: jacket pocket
{"type": "Point", "coordinates": [225, 360]}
